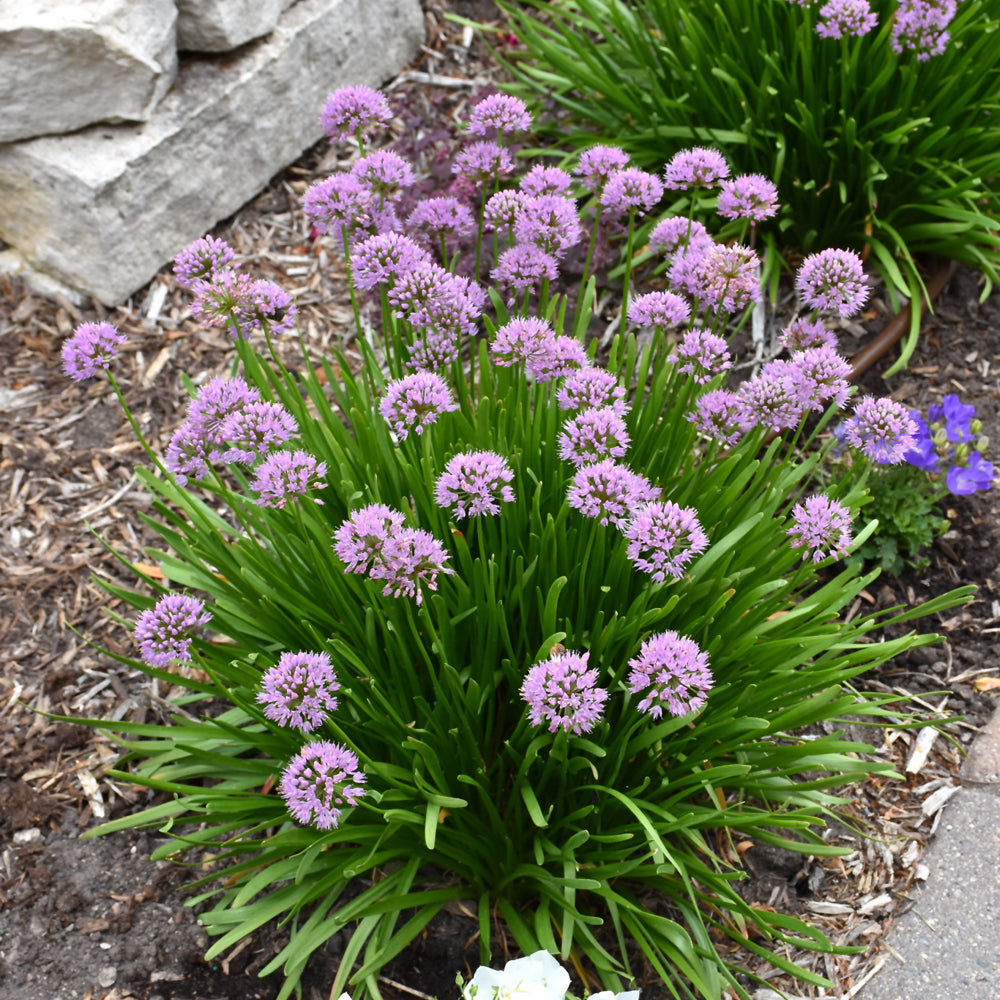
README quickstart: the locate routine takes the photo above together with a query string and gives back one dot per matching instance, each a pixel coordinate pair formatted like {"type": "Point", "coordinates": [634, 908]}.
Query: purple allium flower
{"type": "Point", "coordinates": [199, 261]}
{"type": "Point", "coordinates": [502, 209]}
{"type": "Point", "coordinates": [433, 352]}
{"type": "Point", "coordinates": [684, 271]}
{"type": "Point", "coordinates": [663, 538]}
{"type": "Point", "coordinates": [558, 357]}
{"type": "Point", "coordinates": [340, 204]}
{"type": "Point", "coordinates": [353, 111]}
{"type": "Point", "coordinates": [91, 346]}
{"type": "Point", "coordinates": [845, 17]}
{"type": "Point", "coordinates": [976, 475]}
{"type": "Point", "coordinates": [250, 433]}
{"type": "Point", "coordinates": [704, 355]}
{"type": "Point", "coordinates": [770, 399]}
{"type": "Point", "coordinates": [727, 278]}
{"type": "Point", "coordinates": [164, 632]}
{"type": "Point", "coordinates": [882, 429]}
{"type": "Point", "coordinates": [821, 376]}
{"type": "Point", "coordinates": [921, 26]}
{"type": "Point", "coordinates": [662, 309]}
{"type": "Point", "coordinates": [524, 266]}
{"type": "Point", "coordinates": [822, 526]}
{"type": "Point", "coordinates": [500, 113]}
{"type": "Point", "coordinates": [216, 401]}
{"type": "Point", "coordinates": [549, 222]}
{"type": "Point", "coordinates": [562, 692]}
{"type": "Point", "coordinates": [474, 483]}
{"type": "Point", "coordinates": [802, 334]}
{"type": "Point", "coordinates": [592, 436]}
{"type": "Point", "coordinates": [320, 781]}
{"type": "Point", "coordinates": [521, 340]}
{"type": "Point", "coordinates": [299, 690]}
{"type": "Point", "coordinates": [671, 672]}
{"type": "Point", "coordinates": [429, 297]}
{"type": "Point", "coordinates": [717, 415]}
{"type": "Point", "coordinates": [483, 162]}
{"type": "Point", "coordinates": [187, 452]}
{"type": "Point", "coordinates": [272, 307]}
{"type": "Point", "coordinates": [698, 167]}
{"type": "Point", "coordinates": [384, 173]}
{"type": "Point", "coordinates": [442, 217]}
{"type": "Point", "coordinates": [227, 301]}
{"type": "Point", "coordinates": [748, 196]}
{"type": "Point", "coordinates": [415, 402]}
{"type": "Point", "coordinates": [284, 476]}
{"type": "Point", "coordinates": [408, 559]}
{"type": "Point", "coordinates": [541, 179]}
{"type": "Point", "coordinates": [361, 539]}
{"type": "Point", "coordinates": [597, 165]}
{"type": "Point", "coordinates": [631, 190]}
{"type": "Point", "coordinates": [383, 258]}
{"type": "Point", "coordinates": [609, 492]}
{"type": "Point", "coordinates": [676, 233]}
{"type": "Point", "coordinates": [833, 281]}
{"type": "Point", "coordinates": [590, 388]}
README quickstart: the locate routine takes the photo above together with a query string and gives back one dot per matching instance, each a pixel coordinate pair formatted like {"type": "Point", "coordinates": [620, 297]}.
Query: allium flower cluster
{"type": "Point", "coordinates": [821, 376]}
{"type": "Point", "coordinates": [299, 690]}
{"type": "Point", "coordinates": [474, 483]}
{"type": "Point", "coordinates": [499, 113]}
{"type": "Point", "coordinates": [593, 435]}
{"type": "Point", "coordinates": [677, 233]}
{"type": "Point", "coordinates": [663, 538]}
{"type": "Point", "coordinates": [520, 341]}
{"type": "Point", "coordinates": [201, 260]}
{"type": "Point", "coordinates": [589, 388]}
{"type": "Point", "coordinates": [384, 173]}
{"type": "Point", "coordinates": [840, 18]}
{"type": "Point", "coordinates": [718, 414]}
{"type": "Point", "coordinates": [699, 167]}
{"type": "Point", "coordinates": [561, 356]}
{"type": "Point", "coordinates": [524, 266]}
{"type": "Point", "coordinates": [502, 209]}
{"type": "Point", "coordinates": [354, 111]}
{"type": "Point", "coordinates": [598, 165]}
{"type": "Point", "coordinates": [320, 781]}
{"type": "Point", "coordinates": [548, 222]}
{"type": "Point", "coordinates": [671, 672]}
{"type": "Point", "coordinates": [803, 333]}
{"type": "Point", "coordinates": [703, 355]}
{"type": "Point", "coordinates": [249, 433]}
{"type": "Point", "coordinates": [338, 206]}
{"type": "Point", "coordinates": [383, 258]}
{"type": "Point", "coordinates": [242, 304]}
{"type": "Point", "coordinates": [770, 399]}
{"type": "Point", "coordinates": [631, 191]}
{"type": "Point", "coordinates": [727, 278]}
{"type": "Point", "coordinates": [748, 196]}
{"type": "Point", "coordinates": [90, 347]}
{"type": "Point", "coordinates": [541, 180]}
{"type": "Point", "coordinates": [822, 527]}
{"type": "Point", "coordinates": [375, 540]}
{"type": "Point", "coordinates": [609, 492]}
{"type": "Point", "coordinates": [414, 402]}
{"type": "Point", "coordinates": [442, 218]}
{"type": "Point", "coordinates": [165, 631]}
{"type": "Point", "coordinates": [662, 309]}
{"type": "Point", "coordinates": [483, 162]}
{"type": "Point", "coordinates": [921, 26]}
{"type": "Point", "coordinates": [833, 281]}
{"type": "Point", "coordinates": [563, 692]}
{"type": "Point", "coordinates": [882, 429]}
{"type": "Point", "coordinates": [285, 476]}
{"type": "Point", "coordinates": [430, 298]}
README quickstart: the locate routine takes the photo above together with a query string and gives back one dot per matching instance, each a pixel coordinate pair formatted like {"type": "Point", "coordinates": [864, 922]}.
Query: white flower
{"type": "Point", "coordinates": [537, 977]}
{"type": "Point", "coordinates": [608, 995]}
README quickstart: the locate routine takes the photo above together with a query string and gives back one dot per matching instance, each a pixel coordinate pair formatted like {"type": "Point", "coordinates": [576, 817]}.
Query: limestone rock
{"type": "Point", "coordinates": [65, 64]}
{"type": "Point", "coordinates": [103, 209]}
{"type": "Point", "coordinates": [222, 25]}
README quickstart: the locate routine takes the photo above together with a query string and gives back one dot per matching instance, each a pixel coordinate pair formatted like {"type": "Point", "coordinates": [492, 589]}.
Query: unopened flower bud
{"type": "Point", "coordinates": [975, 426]}
{"type": "Point", "coordinates": [940, 437]}
{"type": "Point", "coordinates": [982, 443]}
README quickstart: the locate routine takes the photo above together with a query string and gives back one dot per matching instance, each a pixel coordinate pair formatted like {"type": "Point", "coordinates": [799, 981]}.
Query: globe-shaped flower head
{"type": "Point", "coordinates": [164, 632]}
{"type": "Point", "coordinates": [474, 483]}
{"type": "Point", "coordinates": [822, 527]}
{"type": "Point", "coordinates": [299, 690]}
{"type": "Point", "coordinates": [833, 281]}
{"type": "Point", "coordinates": [90, 348]}
{"type": "Point", "coordinates": [354, 111]}
{"type": "Point", "coordinates": [671, 672]}
{"type": "Point", "coordinates": [320, 781]}
{"type": "Point", "coordinates": [562, 692]}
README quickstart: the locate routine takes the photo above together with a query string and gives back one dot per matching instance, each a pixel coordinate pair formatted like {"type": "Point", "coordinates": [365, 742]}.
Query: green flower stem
{"type": "Point", "coordinates": [350, 282]}
{"type": "Point", "coordinates": [627, 281]}
{"type": "Point", "coordinates": [135, 427]}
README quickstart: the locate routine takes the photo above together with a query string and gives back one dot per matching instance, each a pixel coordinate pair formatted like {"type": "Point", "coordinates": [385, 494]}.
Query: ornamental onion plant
{"type": "Point", "coordinates": [489, 619]}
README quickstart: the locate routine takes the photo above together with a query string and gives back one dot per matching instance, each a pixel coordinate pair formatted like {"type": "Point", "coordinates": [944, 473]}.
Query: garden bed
{"type": "Point", "coordinates": [96, 917]}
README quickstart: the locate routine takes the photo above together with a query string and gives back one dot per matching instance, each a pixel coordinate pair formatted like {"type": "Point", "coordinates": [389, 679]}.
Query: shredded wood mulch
{"type": "Point", "coordinates": [71, 505]}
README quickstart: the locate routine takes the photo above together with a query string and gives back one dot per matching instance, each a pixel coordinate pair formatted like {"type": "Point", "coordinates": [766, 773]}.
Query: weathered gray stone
{"type": "Point", "coordinates": [65, 64]}
{"type": "Point", "coordinates": [103, 209]}
{"type": "Point", "coordinates": [222, 25]}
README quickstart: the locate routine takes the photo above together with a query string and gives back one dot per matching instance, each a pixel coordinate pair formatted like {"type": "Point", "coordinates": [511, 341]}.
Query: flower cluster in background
{"type": "Point", "coordinates": [951, 442]}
